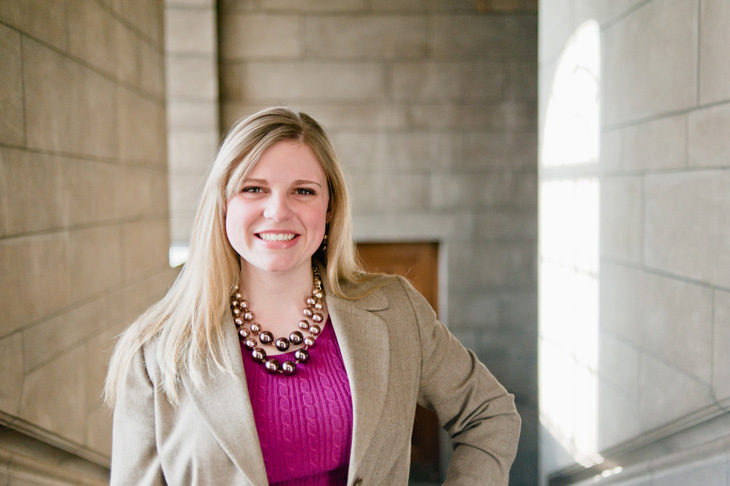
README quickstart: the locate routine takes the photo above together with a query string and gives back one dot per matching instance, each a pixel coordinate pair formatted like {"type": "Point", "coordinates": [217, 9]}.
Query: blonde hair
{"type": "Point", "coordinates": [188, 322]}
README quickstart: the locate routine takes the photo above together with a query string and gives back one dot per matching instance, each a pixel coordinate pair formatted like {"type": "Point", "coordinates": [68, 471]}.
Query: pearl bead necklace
{"type": "Point", "coordinates": [251, 333]}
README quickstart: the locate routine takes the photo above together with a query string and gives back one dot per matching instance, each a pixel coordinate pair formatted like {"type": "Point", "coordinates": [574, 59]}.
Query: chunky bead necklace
{"type": "Point", "coordinates": [251, 333]}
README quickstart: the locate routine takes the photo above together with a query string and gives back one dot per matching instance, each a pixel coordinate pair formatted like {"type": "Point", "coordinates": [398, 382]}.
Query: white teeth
{"type": "Point", "coordinates": [276, 237]}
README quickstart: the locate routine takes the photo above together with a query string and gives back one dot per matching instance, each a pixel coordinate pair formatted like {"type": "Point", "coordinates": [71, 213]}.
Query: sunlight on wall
{"type": "Point", "coordinates": [569, 245]}
{"type": "Point", "coordinates": [178, 254]}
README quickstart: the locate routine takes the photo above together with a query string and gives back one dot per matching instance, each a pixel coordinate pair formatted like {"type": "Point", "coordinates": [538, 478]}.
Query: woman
{"type": "Point", "coordinates": [274, 359]}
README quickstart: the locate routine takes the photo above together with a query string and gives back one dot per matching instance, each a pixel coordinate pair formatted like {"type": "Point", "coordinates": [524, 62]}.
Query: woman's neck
{"type": "Point", "coordinates": [277, 299]}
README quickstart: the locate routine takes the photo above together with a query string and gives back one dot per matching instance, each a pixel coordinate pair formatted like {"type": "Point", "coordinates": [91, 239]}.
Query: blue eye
{"type": "Point", "coordinates": [304, 190]}
{"type": "Point", "coordinates": [252, 189]}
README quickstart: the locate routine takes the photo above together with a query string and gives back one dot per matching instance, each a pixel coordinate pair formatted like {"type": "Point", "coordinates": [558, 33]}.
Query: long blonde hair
{"type": "Point", "coordinates": [188, 322]}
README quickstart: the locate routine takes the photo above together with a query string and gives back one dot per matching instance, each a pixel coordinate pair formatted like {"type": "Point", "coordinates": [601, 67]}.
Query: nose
{"type": "Point", "coordinates": [277, 207]}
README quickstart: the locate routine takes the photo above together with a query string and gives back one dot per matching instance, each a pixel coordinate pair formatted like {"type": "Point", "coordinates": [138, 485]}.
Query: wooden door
{"type": "Point", "coordinates": [419, 263]}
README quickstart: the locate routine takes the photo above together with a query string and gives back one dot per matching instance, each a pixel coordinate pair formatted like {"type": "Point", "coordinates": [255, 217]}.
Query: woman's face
{"type": "Point", "coordinates": [277, 220]}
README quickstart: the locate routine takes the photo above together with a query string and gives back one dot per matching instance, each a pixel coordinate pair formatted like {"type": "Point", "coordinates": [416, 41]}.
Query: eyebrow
{"type": "Point", "coordinates": [294, 183]}
{"type": "Point", "coordinates": [306, 181]}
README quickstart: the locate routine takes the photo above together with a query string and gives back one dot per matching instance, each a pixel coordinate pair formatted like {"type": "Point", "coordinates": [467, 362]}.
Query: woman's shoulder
{"type": "Point", "coordinates": [392, 288]}
{"type": "Point", "coordinates": [369, 282]}
{"type": "Point", "coordinates": [140, 341]}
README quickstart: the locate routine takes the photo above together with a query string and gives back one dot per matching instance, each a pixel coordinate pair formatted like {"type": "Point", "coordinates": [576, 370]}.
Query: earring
{"type": "Point", "coordinates": [324, 244]}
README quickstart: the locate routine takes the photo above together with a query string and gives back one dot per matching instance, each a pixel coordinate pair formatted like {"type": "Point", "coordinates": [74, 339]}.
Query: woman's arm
{"type": "Point", "coordinates": [472, 406]}
{"type": "Point", "coordinates": [134, 451]}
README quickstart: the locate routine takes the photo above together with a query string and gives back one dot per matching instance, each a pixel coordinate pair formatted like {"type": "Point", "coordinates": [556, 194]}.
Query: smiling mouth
{"type": "Point", "coordinates": [276, 237]}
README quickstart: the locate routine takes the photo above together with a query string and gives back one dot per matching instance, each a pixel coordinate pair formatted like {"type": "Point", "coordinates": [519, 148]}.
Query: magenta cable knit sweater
{"type": "Point", "coordinates": [304, 421]}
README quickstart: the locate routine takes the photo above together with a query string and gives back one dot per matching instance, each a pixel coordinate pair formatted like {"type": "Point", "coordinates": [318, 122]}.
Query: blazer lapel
{"type": "Point", "coordinates": [364, 344]}
{"type": "Point", "coordinates": [224, 404]}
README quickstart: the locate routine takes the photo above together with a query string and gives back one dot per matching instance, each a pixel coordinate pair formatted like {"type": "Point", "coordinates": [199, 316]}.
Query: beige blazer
{"type": "Point", "coordinates": [396, 355]}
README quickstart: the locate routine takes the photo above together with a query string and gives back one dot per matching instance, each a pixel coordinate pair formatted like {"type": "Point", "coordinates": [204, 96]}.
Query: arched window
{"type": "Point", "coordinates": [569, 248]}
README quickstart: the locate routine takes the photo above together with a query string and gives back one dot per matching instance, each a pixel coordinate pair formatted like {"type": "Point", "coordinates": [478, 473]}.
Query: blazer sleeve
{"type": "Point", "coordinates": [472, 406]}
{"type": "Point", "coordinates": [135, 460]}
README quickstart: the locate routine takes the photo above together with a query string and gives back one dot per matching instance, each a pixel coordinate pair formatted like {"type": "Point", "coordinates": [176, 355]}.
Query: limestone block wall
{"type": "Point", "coordinates": [432, 108]}
{"type": "Point", "coordinates": [192, 106]}
{"type": "Point", "coordinates": [83, 220]}
{"type": "Point", "coordinates": [662, 342]}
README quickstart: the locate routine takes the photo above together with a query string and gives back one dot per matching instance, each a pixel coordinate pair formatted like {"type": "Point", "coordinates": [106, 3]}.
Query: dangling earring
{"type": "Point", "coordinates": [323, 246]}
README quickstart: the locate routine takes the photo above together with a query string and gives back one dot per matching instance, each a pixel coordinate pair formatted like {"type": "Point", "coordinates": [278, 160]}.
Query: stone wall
{"type": "Point", "coordinates": [432, 109]}
{"type": "Point", "coordinates": [662, 341]}
{"type": "Point", "coordinates": [83, 220]}
{"type": "Point", "coordinates": [191, 55]}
